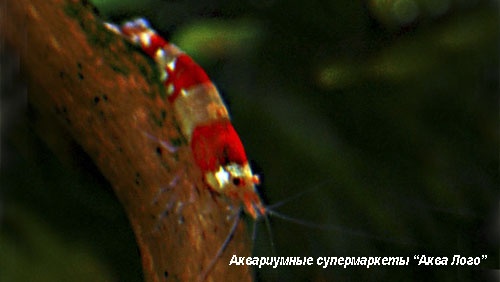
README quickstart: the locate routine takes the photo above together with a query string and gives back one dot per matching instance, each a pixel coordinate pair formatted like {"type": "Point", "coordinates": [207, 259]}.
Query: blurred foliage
{"type": "Point", "coordinates": [41, 255]}
{"type": "Point", "coordinates": [219, 39]}
{"type": "Point", "coordinates": [388, 107]}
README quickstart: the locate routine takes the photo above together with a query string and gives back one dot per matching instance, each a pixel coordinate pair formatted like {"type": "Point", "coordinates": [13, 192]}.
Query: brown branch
{"type": "Point", "coordinates": [105, 95]}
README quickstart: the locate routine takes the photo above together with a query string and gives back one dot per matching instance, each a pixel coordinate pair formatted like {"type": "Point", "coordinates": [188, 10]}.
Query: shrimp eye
{"type": "Point", "coordinates": [237, 181]}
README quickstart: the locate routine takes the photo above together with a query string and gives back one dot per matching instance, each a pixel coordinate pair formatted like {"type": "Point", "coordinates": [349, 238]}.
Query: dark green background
{"type": "Point", "coordinates": [388, 108]}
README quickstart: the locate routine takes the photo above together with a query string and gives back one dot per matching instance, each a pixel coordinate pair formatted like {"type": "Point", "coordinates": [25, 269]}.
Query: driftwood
{"type": "Point", "coordinates": [105, 95]}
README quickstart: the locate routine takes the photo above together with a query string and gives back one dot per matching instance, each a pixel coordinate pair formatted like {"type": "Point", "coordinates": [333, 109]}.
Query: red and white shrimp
{"type": "Point", "coordinates": [205, 122]}
{"type": "Point", "coordinates": [203, 117]}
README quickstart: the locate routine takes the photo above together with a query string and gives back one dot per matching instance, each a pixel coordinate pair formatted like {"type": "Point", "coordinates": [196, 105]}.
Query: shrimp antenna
{"type": "Point", "coordinates": [298, 195]}
{"type": "Point", "coordinates": [345, 230]}
{"type": "Point", "coordinates": [269, 231]}
{"type": "Point", "coordinates": [223, 247]}
{"type": "Point", "coordinates": [270, 210]}
{"type": "Point", "coordinates": [254, 230]}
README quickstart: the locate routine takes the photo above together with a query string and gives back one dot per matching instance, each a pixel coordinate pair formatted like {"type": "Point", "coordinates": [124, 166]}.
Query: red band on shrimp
{"type": "Point", "coordinates": [217, 144]}
{"type": "Point", "coordinates": [156, 42]}
{"type": "Point", "coordinates": [185, 74]}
